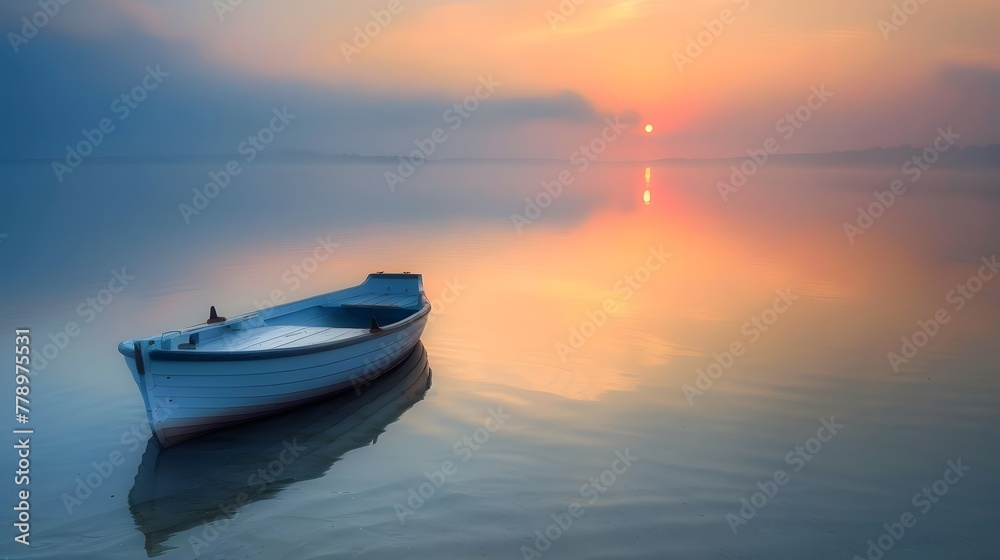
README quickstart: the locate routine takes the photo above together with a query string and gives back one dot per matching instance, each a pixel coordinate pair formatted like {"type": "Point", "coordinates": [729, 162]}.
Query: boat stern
{"type": "Point", "coordinates": [394, 283]}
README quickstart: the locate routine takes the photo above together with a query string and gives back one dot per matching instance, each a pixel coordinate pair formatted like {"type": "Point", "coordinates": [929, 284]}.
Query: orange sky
{"type": "Point", "coordinates": [941, 66]}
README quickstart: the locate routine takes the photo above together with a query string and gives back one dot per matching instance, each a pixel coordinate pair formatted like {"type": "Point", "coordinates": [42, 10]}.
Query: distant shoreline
{"type": "Point", "coordinates": [968, 157]}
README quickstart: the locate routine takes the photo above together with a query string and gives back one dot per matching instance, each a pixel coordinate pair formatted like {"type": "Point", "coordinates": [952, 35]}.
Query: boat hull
{"type": "Point", "coordinates": [256, 369]}
{"type": "Point", "coordinates": [186, 399]}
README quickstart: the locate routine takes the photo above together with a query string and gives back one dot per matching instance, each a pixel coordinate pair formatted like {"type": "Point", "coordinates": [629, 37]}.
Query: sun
{"type": "Point", "coordinates": [649, 128]}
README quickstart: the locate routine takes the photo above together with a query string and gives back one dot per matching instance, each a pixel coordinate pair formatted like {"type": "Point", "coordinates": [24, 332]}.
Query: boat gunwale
{"type": "Point", "coordinates": [271, 353]}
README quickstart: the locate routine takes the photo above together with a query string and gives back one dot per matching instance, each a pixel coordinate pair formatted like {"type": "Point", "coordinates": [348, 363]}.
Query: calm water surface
{"type": "Point", "coordinates": [643, 371]}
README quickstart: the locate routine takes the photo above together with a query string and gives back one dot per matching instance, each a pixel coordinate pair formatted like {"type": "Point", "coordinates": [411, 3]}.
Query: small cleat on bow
{"type": "Point", "coordinates": [213, 317]}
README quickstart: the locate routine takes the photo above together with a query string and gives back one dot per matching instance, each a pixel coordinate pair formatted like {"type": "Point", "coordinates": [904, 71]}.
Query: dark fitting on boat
{"type": "Point", "coordinates": [213, 317]}
{"type": "Point", "coordinates": [375, 327]}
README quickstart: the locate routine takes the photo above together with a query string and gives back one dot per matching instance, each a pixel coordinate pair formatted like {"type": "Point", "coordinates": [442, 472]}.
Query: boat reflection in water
{"type": "Point", "coordinates": [214, 476]}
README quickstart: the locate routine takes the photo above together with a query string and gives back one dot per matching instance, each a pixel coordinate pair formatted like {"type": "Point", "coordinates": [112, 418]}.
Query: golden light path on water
{"type": "Point", "coordinates": [647, 195]}
{"type": "Point", "coordinates": [632, 295]}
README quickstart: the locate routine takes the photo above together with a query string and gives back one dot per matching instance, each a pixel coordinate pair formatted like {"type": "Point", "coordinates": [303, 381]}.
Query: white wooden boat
{"type": "Point", "coordinates": [228, 371]}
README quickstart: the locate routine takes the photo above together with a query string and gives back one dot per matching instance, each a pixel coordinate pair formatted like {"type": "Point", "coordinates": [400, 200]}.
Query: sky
{"type": "Point", "coordinates": [713, 78]}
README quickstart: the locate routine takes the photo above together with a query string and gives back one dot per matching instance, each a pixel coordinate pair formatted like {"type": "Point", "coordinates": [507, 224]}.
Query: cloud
{"type": "Point", "coordinates": [226, 74]}
{"type": "Point", "coordinates": [68, 84]}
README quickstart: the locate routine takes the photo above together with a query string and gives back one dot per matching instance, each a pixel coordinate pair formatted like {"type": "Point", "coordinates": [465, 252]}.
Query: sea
{"type": "Point", "coordinates": [634, 360]}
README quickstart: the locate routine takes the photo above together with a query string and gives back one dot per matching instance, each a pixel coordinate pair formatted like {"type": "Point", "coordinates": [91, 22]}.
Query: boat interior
{"type": "Point", "coordinates": [320, 323]}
